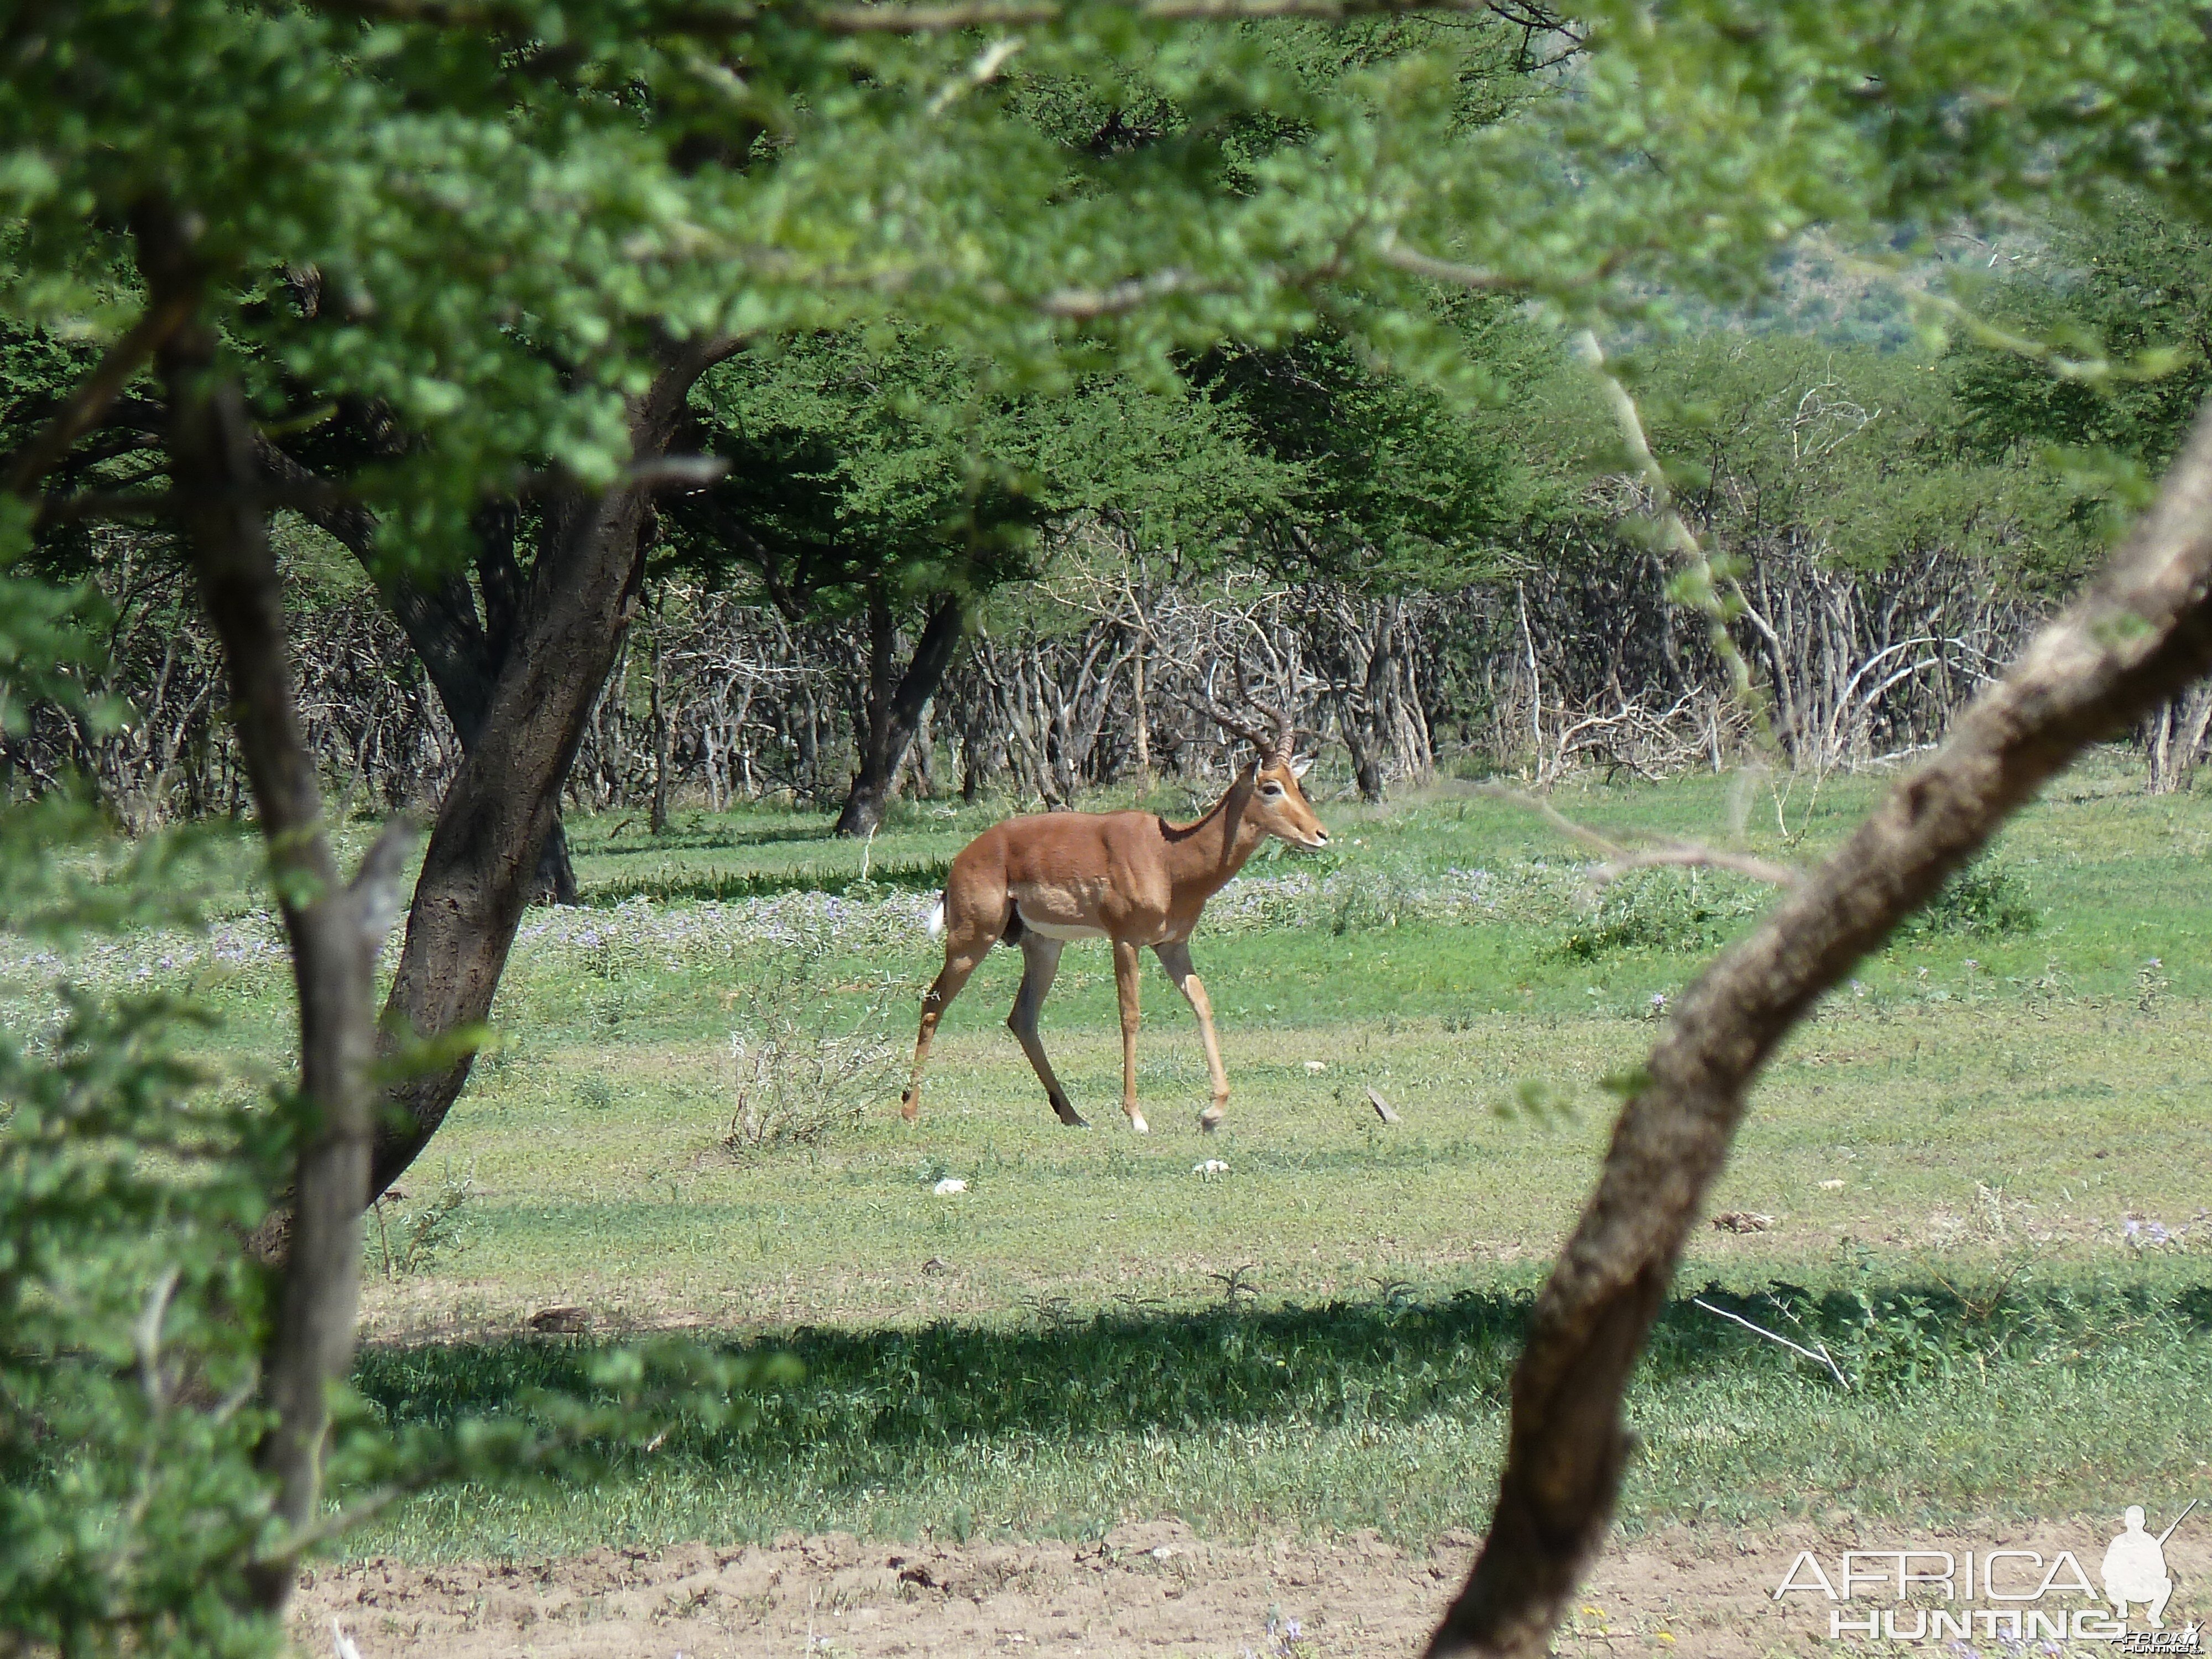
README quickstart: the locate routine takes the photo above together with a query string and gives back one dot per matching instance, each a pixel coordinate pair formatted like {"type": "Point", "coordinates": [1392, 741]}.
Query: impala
{"type": "Point", "coordinates": [1132, 878]}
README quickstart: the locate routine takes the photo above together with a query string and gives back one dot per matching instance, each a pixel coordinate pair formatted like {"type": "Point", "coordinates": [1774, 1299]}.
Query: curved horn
{"type": "Point", "coordinates": [1272, 745]}
{"type": "Point", "coordinates": [1231, 723]}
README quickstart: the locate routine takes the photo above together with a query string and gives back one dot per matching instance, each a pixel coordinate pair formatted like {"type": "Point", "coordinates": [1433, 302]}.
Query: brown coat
{"type": "Point", "coordinates": [1132, 877]}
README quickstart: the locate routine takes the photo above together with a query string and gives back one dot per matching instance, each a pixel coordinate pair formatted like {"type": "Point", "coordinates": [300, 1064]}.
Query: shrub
{"type": "Point", "coordinates": [418, 1233]}
{"type": "Point", "coordinates": [1985, 900]}
{"type": "Point", "coordinates": [805, 1064]}
{"type": "Point", "coordinates": [1688, 911]}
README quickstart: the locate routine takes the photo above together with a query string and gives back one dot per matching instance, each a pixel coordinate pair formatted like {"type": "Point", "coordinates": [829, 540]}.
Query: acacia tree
{"type": "Point", "coordinates": [525, 229]}
{"type": "Point", "coordinates": [892, 486]}
{"type": "Point", "coordinates": [515, 237]}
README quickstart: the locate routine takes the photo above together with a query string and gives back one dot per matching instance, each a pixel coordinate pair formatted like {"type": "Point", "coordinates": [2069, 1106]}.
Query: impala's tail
{"type": "Point", "coordinates": [937, 918]}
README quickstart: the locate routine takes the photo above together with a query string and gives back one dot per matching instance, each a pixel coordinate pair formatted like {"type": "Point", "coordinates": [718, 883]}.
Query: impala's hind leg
{"type": "Point", "coordinates": [963, 956]}
{"type": "Point", "coordinates": [1175, 958]}
{"type": "Point", "coordinates": [1040, 962]}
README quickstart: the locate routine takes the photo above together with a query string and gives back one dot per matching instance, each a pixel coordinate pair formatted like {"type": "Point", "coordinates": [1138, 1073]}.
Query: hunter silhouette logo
{"type": "Point", "coordinates": [2135, 1567]}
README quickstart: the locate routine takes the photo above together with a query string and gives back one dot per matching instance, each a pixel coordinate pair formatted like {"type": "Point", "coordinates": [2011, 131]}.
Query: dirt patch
{"type": "Point", "coordinates": [1152, 1589]}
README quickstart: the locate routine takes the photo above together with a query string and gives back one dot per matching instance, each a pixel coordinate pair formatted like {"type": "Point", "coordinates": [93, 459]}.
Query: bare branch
{"type": "Point", "coordinates": [295, 487]}
{"type": "Point", "coordinates": [1703, 592]}
{"type": "Point", "coordinates": [1694, 855]}
{"type": "Point", "coordinates": [1620, 860]}
{"type": "Point", "coordinates": [1822, 1357]}
{"type": "Point", "coordinates": [376, 884]}
{"type": "Point", "coordinates": [1085, 304]}
{"type": "Point", "coordinates": [1471, 277]}
{"type": "Point", "coordinates": [2141, 633]}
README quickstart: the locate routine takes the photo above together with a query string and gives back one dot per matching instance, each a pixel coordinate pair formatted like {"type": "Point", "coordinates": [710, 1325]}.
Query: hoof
{"type": "Point", "coordinates": [1210, 1119]}
{"type": "Point", "coordinates": [1137, 1122]}
{"type": "Point", "coordinates": [909, 1109]}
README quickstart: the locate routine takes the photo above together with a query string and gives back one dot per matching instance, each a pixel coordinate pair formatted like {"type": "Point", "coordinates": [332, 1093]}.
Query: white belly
{"type": "Point", "coordinates": [1060, 930]}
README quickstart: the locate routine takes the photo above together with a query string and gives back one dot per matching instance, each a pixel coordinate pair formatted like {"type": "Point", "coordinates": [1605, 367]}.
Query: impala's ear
{"type": "Point", "coordinates": [1299, 769]}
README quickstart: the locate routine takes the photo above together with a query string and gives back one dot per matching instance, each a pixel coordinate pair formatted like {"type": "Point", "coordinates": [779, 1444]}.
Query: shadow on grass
{"type": "Point", "coordinates": [871, 1402]}
{"type": "Point", "coordinates": [725, 886]}
{"type": "Point", "coordinates": [628, 837]}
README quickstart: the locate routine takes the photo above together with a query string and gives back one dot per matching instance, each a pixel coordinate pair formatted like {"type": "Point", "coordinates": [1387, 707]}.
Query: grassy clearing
{"type": "Point", "coordinates": [1985, 1161]}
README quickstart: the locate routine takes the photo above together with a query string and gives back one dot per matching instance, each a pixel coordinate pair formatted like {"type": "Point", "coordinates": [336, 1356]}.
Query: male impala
{"type": "Point", "coordinates": [1132, 877]}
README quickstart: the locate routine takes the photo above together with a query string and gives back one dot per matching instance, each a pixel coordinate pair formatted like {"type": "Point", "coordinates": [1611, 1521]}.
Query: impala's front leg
{"type": "Point", "coordinates": [1125, 988]}
{"type": "Point", "coordinates": [1175, 957]}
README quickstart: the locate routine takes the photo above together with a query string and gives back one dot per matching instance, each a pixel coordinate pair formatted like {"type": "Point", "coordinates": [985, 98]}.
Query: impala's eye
{"type": "Point", "coordinates": [1271, 789]}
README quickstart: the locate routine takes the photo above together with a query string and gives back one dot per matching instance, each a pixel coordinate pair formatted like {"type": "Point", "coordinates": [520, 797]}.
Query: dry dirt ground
{"type": "Point", "coordinates": [1151, 1589]}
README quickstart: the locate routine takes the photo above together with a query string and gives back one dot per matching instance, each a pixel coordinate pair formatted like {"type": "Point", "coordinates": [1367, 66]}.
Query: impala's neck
{"type": "Point", "coordinates": [1203, 855]}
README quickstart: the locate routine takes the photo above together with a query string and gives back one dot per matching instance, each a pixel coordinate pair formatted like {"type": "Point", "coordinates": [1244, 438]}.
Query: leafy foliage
{"type": "Point", "coordinates": [129, 1504]}
{"type": "Point", "coordinates": [1985, 900]}
{"type": "Point", "coordinates": [1663, 909]}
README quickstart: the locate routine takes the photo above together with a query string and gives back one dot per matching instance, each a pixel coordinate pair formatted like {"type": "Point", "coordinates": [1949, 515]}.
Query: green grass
{"type": "Point", "coordinates": [1952, 1150]}
{"type": "Point", "coordinates": [1384, 1414]}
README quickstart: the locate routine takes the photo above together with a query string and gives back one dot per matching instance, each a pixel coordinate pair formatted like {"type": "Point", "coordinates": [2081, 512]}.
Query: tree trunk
{"type": "Point", "coordinates": [555, 882]}
{"type": "Point", "coordinates": [661, 730]}
{"type": "Point", "coordinates": [463, 652]}
{"type": "Point", "coordinates": [892, 709]}
{"type": "Point", "coordinates": [502, 805]}
{"type": "Point", "coordinates": [334, 930]}
{"type": "Point", "coordinates": [2142, 633]}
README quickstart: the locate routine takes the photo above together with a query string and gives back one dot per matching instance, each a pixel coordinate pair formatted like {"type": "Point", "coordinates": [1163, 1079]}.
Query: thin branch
{"type": "Point", "coordinates": [1085, 304]}
{"type": "Point", "coordinates": [1620, 860]}
{"type": "Point", "coordinates": [2089, 371]}
{"type": "Point", "coordinates": [1471, 277]}
{"type": "Point", "coordinates": [85, 406]}
{"type": "Point", "coordinates": [1820, 1357]}
{"type": "Point", "coordinates": [1700, 588]}
{"type": "Point", "coordinates": [1693, 854]}
{"type": "Point", "coordinates": [300, 490]}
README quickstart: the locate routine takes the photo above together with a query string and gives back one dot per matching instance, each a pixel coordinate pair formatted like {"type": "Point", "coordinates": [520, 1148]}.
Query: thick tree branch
{"type": "Point", "coordinates": [2139, 634]}
{"type": "Point", "coordinates": [892, 708]}
{"type": "Point", "coordinates": [479, 872]}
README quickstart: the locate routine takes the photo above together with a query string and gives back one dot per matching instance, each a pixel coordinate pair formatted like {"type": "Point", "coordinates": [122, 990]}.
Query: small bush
{"type": "Point", "coordinates": [805, 1063]}
{"type": "Point", "coordinates": [1985, 900]}
{"type": "Point", "coordinates": [1366, 897]}
{"type": "Point", "coordinates": [416, 1234]}
{"type": "Point", "coordinates": [1690, 911]}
